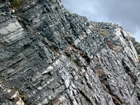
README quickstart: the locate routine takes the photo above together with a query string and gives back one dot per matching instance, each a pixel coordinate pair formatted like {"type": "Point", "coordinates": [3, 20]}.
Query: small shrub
{"type": "Point", "coordinates": [23, 96]}
{"type": "Point", "coordinates": [16, 4]}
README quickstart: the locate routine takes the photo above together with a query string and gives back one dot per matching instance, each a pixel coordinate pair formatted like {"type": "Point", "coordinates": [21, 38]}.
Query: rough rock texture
{"type": "Point", "coordinates": [49, 56]}
{"type": "Point", "coordinates": [135, 43]}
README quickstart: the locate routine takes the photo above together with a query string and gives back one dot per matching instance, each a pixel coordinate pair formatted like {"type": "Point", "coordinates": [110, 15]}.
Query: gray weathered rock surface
{"type": "Point", "coordinates": [135, 43]}
{"type": "Point", "coordinates": [49, 56]}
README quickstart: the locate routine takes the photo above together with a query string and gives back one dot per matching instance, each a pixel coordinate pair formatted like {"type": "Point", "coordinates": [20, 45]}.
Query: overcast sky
{"type": "Point", "coordinates": [123, 12]}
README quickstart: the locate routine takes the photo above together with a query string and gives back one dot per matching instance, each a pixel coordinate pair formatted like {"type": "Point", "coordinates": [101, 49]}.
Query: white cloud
{"type": "Point", "coordinates": [137, 34]}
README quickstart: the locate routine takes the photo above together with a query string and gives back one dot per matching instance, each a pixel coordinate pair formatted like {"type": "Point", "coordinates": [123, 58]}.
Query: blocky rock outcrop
{"type": "Point", "coordinates": [49, 56]}
{"type": "Point", "coordinates": [135, 43]}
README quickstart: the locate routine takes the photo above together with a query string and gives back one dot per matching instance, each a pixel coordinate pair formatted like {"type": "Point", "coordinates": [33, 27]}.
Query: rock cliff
{"type": "Point", "coordinates": [49, 56]}
{"type": "Point", "coordinates": [135, 43]}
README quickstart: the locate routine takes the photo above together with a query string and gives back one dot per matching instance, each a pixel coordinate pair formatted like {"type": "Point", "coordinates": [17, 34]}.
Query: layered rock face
{"type": "Point", "coordinates": [135, 43]}
{"type": "Point", "coordinates": [49, 56]}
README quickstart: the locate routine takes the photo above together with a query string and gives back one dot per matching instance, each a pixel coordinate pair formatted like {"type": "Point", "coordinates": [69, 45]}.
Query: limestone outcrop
{"type": "Point", "coordinates": [135, 43]}
{"type": "Point", "coordinates": [49, 56]}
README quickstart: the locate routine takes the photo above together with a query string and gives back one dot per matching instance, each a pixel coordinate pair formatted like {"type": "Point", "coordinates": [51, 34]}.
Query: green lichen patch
{"type": "Point", "coordinates": [102, 32]}
{"type": "Point", "coordinates": [139, 57]}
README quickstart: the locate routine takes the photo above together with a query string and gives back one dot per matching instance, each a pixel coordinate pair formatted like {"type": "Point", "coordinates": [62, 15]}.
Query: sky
{"type": "Point", "coordinates": [126, 13]}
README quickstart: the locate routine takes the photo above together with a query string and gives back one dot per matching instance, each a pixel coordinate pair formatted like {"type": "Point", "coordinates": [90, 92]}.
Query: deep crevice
{"type": "Point", "coordinates": [128, 71]}
{"type": "Point", "coordinates": [88, 100]}
{"type": "Point", "coordinates": [116, 99]}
